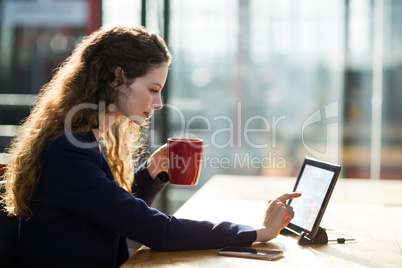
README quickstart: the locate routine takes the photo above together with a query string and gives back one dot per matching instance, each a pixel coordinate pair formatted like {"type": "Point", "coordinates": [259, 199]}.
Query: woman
{"type": "Point", "coordinates": [76, 207]}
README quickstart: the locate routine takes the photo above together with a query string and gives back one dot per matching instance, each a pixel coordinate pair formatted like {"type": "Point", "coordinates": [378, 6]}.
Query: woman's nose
{"type": "Point", "coordinates": [158, 104]}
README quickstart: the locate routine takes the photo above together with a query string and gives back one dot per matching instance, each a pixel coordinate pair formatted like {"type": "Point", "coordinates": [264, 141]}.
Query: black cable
{"type": "Point", "coordinates": [341, 240]}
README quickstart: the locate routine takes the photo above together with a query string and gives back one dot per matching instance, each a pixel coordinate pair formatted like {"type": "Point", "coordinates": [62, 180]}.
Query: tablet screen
{"type": "Point", "coordinates": [314, 185]}
{"type": "Point", "coordinates": [316, 182]}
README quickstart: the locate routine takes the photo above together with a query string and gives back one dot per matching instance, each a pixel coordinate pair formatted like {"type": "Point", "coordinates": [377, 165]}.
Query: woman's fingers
{"type": "Point", "coordinates": [279, 214]}
{"type": "Point", "coordinates": [158, 161]}
{"type": "Point", "coordinates": [288, 196]}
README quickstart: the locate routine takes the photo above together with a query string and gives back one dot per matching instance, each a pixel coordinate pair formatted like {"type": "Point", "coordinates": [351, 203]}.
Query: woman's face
{"type": "Point", "coordinates": [138, 100]}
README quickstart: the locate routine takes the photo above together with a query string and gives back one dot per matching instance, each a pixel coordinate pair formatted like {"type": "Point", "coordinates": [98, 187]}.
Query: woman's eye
{"type": "Point", "coordinates": [154, 91]}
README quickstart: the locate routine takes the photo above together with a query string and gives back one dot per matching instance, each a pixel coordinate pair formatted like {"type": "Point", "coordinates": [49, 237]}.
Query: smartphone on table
{"type": "Point", "coordinates": [264, 254]}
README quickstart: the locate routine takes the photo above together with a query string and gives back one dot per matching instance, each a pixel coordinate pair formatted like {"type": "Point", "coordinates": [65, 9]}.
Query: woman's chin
{"type": "Point", "coordinates": [138, 120]}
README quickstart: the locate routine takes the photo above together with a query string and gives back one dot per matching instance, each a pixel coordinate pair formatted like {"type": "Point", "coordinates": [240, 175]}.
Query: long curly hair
{"type": "Point", "coordinates": [85, 77]}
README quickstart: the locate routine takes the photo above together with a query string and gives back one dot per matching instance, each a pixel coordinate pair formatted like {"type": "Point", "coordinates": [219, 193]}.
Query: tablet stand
{"type": "Point", "coordinates": [321, 237]}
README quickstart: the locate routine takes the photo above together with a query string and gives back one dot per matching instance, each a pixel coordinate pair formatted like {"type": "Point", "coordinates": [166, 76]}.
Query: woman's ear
{"type": "Point", "coordinates": [118, 78]}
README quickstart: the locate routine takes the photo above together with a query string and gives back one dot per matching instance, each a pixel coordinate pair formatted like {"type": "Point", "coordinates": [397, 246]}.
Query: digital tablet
{"type": "Point", "coordinates": [316, 181]}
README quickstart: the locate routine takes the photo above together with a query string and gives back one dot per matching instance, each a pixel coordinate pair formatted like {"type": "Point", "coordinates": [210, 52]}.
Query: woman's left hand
{"type": "Point", "coordinates": [277, 216]}
{"type": "Point", "coordinates": [158, 161]}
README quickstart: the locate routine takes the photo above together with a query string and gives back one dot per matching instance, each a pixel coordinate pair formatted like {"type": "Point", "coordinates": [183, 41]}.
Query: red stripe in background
{"type": "Point", "coordinates": [94, 15]}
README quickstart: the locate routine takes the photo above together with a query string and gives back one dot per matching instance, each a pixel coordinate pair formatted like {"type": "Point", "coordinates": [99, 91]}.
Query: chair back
{"type": "Point", "coordinates": [2, 170]}
{"type": "Point", "coordinates": [8, 236]}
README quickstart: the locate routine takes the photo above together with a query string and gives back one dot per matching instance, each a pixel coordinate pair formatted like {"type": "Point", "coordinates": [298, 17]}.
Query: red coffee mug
{"type": "Point", "coordinates": [185, 159]}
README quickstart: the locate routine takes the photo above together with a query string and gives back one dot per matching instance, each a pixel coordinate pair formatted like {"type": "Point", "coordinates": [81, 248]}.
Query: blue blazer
{"type": "Point", "coordinates": [81, 216]}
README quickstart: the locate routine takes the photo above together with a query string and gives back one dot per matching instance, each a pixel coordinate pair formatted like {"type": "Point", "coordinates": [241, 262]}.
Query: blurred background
{"type": "Point", "coordinates": [264, 83]}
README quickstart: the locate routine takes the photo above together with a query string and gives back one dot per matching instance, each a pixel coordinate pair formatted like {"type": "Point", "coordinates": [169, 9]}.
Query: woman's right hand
{"type": "Point", "coordinates": [158, 161]}
{"type": "Point", "coordinates": [277, 216]}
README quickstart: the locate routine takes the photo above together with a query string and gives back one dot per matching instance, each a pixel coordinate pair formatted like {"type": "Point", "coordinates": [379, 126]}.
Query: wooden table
{"type": "Point", "coordinates": [370, 211]}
